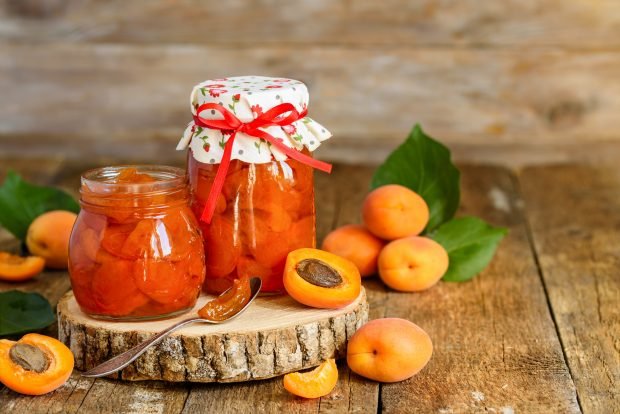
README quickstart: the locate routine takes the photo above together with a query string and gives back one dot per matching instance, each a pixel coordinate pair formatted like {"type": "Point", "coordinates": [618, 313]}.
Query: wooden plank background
{"type": "Point", "coordinates": [517, 81]}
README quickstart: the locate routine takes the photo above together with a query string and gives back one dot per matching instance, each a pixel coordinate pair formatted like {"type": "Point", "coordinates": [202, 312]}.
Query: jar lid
{"type": "Point", "coordinates": [247, 97]}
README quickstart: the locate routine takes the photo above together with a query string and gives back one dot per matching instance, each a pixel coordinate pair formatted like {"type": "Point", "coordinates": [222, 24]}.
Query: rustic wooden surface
{"type": "Point", "coordinates": [516, 81]}
{"type": "Point", "coordinates": [536, 332]}
{"type": "Point", "coordinates": [275, 336]}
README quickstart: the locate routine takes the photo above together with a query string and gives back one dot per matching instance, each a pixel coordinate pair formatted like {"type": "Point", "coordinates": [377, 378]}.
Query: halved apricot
{"type": "Point", "coordinates": [313, 384]}
{"type": "Point", "coordinates": [15, 268]}
{"type": "Point", "coordinates": [321, 279]}
{"type": "Point", "coordinates": [34, 365]}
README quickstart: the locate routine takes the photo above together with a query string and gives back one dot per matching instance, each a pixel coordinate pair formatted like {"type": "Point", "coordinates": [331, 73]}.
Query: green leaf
{"type": "Point", "coordinates": [424, 165]}
{"type": "Point", "coordinates": [22, 202]}
{"type": "Point", "coordinates": [22, 312]}
{"type": "Point", "coordinates": [470, 243]}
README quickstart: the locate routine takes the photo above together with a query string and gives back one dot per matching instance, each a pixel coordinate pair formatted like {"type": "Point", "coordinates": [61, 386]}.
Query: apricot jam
{"type": "Point", "coordinates": [263, 212]}
{"type": "Point", "coordinates": [229, 303]}
{"type": "Point", "coordinates": [135, 251]}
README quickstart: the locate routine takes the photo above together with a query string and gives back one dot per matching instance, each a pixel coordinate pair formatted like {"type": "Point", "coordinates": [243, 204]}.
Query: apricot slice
{"type": "Point", "coordinates": [84, 246]}
{"type": "Point", "coordinates": [321, 279]}
{"type": "Point", "coordinates": [161, 280]}
{"type": "Point", "coordinates": [313, 384]}
{"type": "Point", "coordinates": [132, 176]}
{"type": "Point", "coordinates": [114, 290]}
{"type": "Point", "coordinates": [223, 246]}
{"type": "Point", "coordinates": [34, 365]}
{"type": "Point", "coordinates": [228, 304]}
{"type": "Point", "coordinates": [48, 237]}
{"type": "Point", "coordinates": [114, 237]}
{"type": "Point", "coordinates": [357, 244]}
{"type": "Point", "coordinates": [393, 211]}
{"type": "Point", "coordinates": [412, 264]}
{"type": "Point", "coordinates": [15, 268]}
{"type": "Point", "coordinates": [389, 350]}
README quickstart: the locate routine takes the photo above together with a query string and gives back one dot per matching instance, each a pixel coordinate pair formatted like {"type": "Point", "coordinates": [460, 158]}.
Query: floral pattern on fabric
{"type": "Point", "coordinates": [248, 97]}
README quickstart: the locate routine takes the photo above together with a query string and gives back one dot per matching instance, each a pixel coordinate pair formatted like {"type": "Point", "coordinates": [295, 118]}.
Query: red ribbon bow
{"type": "Point", "coordinates": [230, 123]}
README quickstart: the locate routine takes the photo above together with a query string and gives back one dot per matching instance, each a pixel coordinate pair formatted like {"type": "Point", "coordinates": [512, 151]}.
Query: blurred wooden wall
{"type": "Point", "coordinates": [504, 81]}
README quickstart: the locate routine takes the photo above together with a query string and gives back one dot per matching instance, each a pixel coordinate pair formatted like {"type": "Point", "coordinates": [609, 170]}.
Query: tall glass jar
{"type": "Point", "coordinates": [252, 133]}
{"type": "Point", "coordinates": [263, 212]}
{"type": "Point", "coordinates": [135, 251]}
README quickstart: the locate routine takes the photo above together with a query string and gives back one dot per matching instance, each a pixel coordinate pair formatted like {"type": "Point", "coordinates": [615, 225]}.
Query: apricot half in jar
{"type": "Point", "coordinates": [321, 279]}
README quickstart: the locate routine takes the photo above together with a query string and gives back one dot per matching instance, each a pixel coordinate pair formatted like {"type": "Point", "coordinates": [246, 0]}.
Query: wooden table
{"type": "Point", "coordinates": [537, 332]}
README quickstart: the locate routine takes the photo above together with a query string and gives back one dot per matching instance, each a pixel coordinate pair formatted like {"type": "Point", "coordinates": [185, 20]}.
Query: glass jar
{"type": "Point", "coordinates": [250, 169]}
{"type": "Point", "coordinates": [263, 212]}
{"type": "Point", "coordinates": [135, 251]}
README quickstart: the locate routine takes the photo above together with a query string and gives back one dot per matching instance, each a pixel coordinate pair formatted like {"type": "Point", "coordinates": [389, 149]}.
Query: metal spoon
{"type": "Point", "coordinates": [122, 360]}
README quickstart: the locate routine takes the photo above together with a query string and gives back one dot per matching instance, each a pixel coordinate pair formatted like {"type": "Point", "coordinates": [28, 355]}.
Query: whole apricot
{"type": "Point", "coordinates": [412, 264]}
{"type": "Point", "coordinates": [48, 237]}
{"type": "Point", "coordinates": [357, 244]}
{"type": "Point", "coordinates": [389, 350]}
{"type": "Point", "coordinates": [393, 211]}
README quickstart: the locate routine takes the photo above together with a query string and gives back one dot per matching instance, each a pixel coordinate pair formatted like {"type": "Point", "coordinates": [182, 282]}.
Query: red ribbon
{"type": "Point", "coordinates": [232, 124]}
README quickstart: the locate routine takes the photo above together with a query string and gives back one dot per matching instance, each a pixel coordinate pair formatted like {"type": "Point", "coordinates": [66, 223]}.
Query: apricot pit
{"type": "Point", "coordinates": [29, 357]}
{"type": "Point", "coordinates": [318, 273]}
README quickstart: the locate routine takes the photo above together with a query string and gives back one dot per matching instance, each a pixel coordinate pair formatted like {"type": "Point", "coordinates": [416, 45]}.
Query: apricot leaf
{"type": "Point", "coordinates": [21, 202]}
{"type": "Point", "coordinates": [470, 243]}
{"type": "Point", "coordinates": [22, 312]}
{"type": "Point", "coordinates": [424, 165]}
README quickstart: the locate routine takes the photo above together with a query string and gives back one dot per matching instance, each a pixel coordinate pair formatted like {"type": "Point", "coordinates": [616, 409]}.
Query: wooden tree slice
{"type": "Point", "coordinates": [274, 336]}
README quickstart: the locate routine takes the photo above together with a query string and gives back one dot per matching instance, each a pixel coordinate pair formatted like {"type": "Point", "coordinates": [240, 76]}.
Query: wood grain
{"type": "Point", "coordinates": [421, 22]}
{"type": "Point", "coordinates": [495, 346]}
{"type": "Point", "coordinates": [131, 101]}
{"type": "Point", "coordinates": [574, 214]}
{"type": "Point", "coordinates": [276, 335]}
{"type": "Point", "coordinates": [353, 393]}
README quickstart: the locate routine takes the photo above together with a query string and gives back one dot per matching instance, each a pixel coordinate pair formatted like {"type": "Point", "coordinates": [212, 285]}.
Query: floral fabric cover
{"type": "Point", "coordinates": [248, 97]}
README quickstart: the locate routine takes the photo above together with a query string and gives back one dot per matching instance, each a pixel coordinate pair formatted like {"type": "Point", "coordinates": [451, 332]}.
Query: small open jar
{"type": "Point", "coordinates": [253, 131]}
{"type": "Point", "coordinates": [135, 251]}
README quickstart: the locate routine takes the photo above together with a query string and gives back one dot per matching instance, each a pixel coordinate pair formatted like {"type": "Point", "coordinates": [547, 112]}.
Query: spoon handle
{"type": "Point", "coordinates": [122, 360]}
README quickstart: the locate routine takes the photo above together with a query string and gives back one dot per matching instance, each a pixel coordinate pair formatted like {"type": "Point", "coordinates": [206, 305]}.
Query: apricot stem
{"type": "Point", "coordinates": [29, 357]}
{"type": "Point", "coordinates": [318, 273]}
